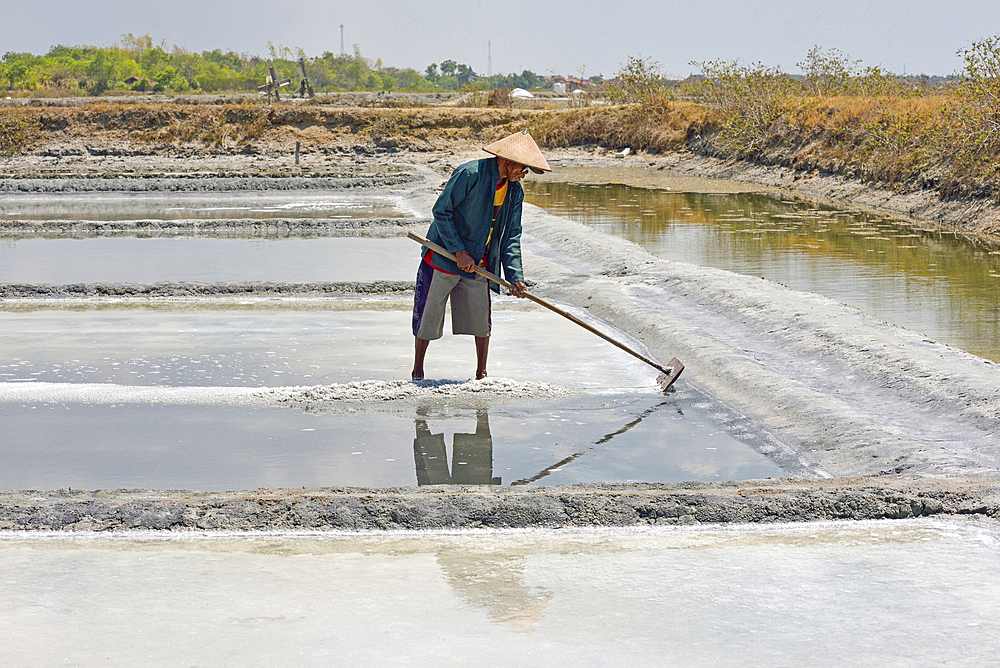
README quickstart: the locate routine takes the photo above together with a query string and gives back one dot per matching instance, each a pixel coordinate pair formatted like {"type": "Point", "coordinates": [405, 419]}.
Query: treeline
{"type": "Point", "coordinates": [137, 64]}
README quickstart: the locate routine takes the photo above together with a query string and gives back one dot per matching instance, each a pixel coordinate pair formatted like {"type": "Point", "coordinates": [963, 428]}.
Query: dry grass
{"type": "Point", "coordinates": [905, 141]}
{"type": "Point", "coordinates": [214, 127]}
{"type": "Point", "coordinates": [899, 141]}
{"type": "Point", "coordinates": [655, 129]}
{"type": "Point", "coordinates": [154, 123]}
{"type": "Point", "coordinates": [211, 125]}
{"type": "Point", "coordinates": [19, 130]}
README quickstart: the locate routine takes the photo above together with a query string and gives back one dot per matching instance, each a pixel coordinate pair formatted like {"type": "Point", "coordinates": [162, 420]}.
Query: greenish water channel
{"type": "Point", "coordinates": [933, 282]}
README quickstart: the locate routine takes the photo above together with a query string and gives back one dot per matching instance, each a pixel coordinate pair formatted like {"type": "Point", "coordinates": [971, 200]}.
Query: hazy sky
{"type": "Point", "coordinates": [563, 37]}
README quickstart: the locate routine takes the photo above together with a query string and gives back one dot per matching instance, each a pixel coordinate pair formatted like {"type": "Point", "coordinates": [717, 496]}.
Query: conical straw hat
{"type": "Point", "coordinates": [522, 149]}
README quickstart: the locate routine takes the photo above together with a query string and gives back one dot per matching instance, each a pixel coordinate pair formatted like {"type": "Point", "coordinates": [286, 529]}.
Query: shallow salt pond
{"type": "Point", "coordinates": [914, 593]}
{"type": "Point", "coordinates": [258, 205]}
{"type": "Point", "coordinates": [926, 280]}
{"type": "Point", "coordinates": [331, 342]}
{"type": "Point", "coordinates": [585, 438]}
{"type": "Point", "coordinates": [607, 423]}
{"type": "Point", "coordinates": [135, 260]}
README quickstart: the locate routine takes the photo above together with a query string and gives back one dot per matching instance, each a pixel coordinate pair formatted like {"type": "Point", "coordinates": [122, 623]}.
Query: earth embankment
{"type": "Point", "coordinates": [853, 150]}
{"type": "Point", "coordinates": [449, 507]}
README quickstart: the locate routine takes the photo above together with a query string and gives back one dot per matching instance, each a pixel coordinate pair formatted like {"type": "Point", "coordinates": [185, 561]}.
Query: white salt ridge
{"type": "Point", "coordinates": [394, 390]}
{"type": "Point", "coordinates": [373, 391]}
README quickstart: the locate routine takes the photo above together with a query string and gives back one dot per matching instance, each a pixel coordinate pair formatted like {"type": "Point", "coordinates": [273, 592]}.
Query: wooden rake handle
{"type": "Point", "coordinates": [672, 372]}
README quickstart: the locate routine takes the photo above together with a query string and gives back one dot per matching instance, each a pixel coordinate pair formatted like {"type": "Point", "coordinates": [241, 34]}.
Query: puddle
{"type": "Point", "coordinates": [909, 593]}
{"type": "Point", "coordinates": [132, 260]}
{"type": "Point", "coordinates": [257, 205]}
{"type": "Point", "coordinates": [939, 284]}
{"type": "Point", "coordinates": [645, 438]}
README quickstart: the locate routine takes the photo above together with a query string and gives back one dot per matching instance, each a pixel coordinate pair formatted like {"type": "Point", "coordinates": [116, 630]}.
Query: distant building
{"type": "Point", "coordinates": [562, 84]}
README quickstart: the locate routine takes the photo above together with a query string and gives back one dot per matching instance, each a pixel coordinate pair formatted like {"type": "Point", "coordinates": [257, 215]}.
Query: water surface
{"type": "Point", "coordinates": [135, 260]}
{"type": "Point", "coordinates": [215, 448]}
{"type": "Point", "coordinates": [257, 205]}
{"type": "Point", "coordinates": [264, 348]}
{"type": "Point", "coordinates": [99, 442]}
{"type": "Point", "coordinates": [936, 283]}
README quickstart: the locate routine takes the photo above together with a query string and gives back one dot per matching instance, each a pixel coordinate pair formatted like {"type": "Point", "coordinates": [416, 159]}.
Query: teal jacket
{"type": "Point", "coordinates": [463, 214]}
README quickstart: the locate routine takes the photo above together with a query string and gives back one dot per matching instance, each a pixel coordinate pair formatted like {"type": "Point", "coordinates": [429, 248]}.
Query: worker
{"type": "Point", "coordinates": [478, 219]}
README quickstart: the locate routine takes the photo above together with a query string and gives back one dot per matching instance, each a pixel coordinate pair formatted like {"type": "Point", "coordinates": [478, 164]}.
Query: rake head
{"type": "Point", "coordinates": [670, 374]}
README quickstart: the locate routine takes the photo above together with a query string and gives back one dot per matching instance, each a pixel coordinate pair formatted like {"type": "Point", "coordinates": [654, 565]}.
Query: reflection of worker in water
{"type": "Point", "coordinates": [494, 579]}
{"type": "Point", "coordinates": [471, 457]}
{"type": "Point", "coordinates": [478, 219]}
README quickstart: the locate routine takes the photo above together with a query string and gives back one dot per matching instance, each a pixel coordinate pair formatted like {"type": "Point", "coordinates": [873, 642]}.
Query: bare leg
{"type": "Point", "coordinates": [419, 351]}
{"type": "Point", "coordinates": [482, 350]}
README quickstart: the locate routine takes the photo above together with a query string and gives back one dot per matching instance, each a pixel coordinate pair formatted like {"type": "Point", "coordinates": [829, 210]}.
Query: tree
{"type": "Point", "coordinates": [463, 73]}
{"type": "Point", "coordinates": [168, 79]}
{"type": "Point", "coordinates": [978, 108]}
{"type": "Point", "coordinates": [833, 73]}
{"type": "Point", "coordinates": [188, 65]}
{"type": "Point", "coordinates": [229, 60]}
{"type": "Point", "coordinates": [639, 80]}
{"type": "Point", "coordinates": [827, 73]}
{"type": "Point", "coordinates": [135, 46]}
{"type": "Point", "coordinates": [154, 59]}
{"type": "Point", "coordinates": [20, 71]}
{"type": "Point", "coordinates": [527, 80]}
{"type": "Point", "coordinates": [101, 72]}
{"type": "Point", "coordinates": [749, 98]}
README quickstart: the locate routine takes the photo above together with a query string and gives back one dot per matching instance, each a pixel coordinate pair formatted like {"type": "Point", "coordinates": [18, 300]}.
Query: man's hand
{"type": "Point", "coordinates": [517, 289]}
{"type": "Point", "coordinates": [465, 261]}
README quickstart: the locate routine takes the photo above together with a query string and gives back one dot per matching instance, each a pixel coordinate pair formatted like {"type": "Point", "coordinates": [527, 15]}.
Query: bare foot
{"type": "Point", "coordinates": [480, 374]}
{"type": "Point", "coordinates": [417, 375]}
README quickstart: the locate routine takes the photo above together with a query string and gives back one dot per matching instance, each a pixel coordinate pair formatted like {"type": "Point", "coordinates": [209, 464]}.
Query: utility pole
{"type": "Point", "coordinates": [342, 54]}
{"type": "Point", "coordinates": [489, 59]}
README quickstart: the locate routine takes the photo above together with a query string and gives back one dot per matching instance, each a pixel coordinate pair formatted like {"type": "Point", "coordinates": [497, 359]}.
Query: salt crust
{"type": "Point", "coordinates": [395, 390]}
